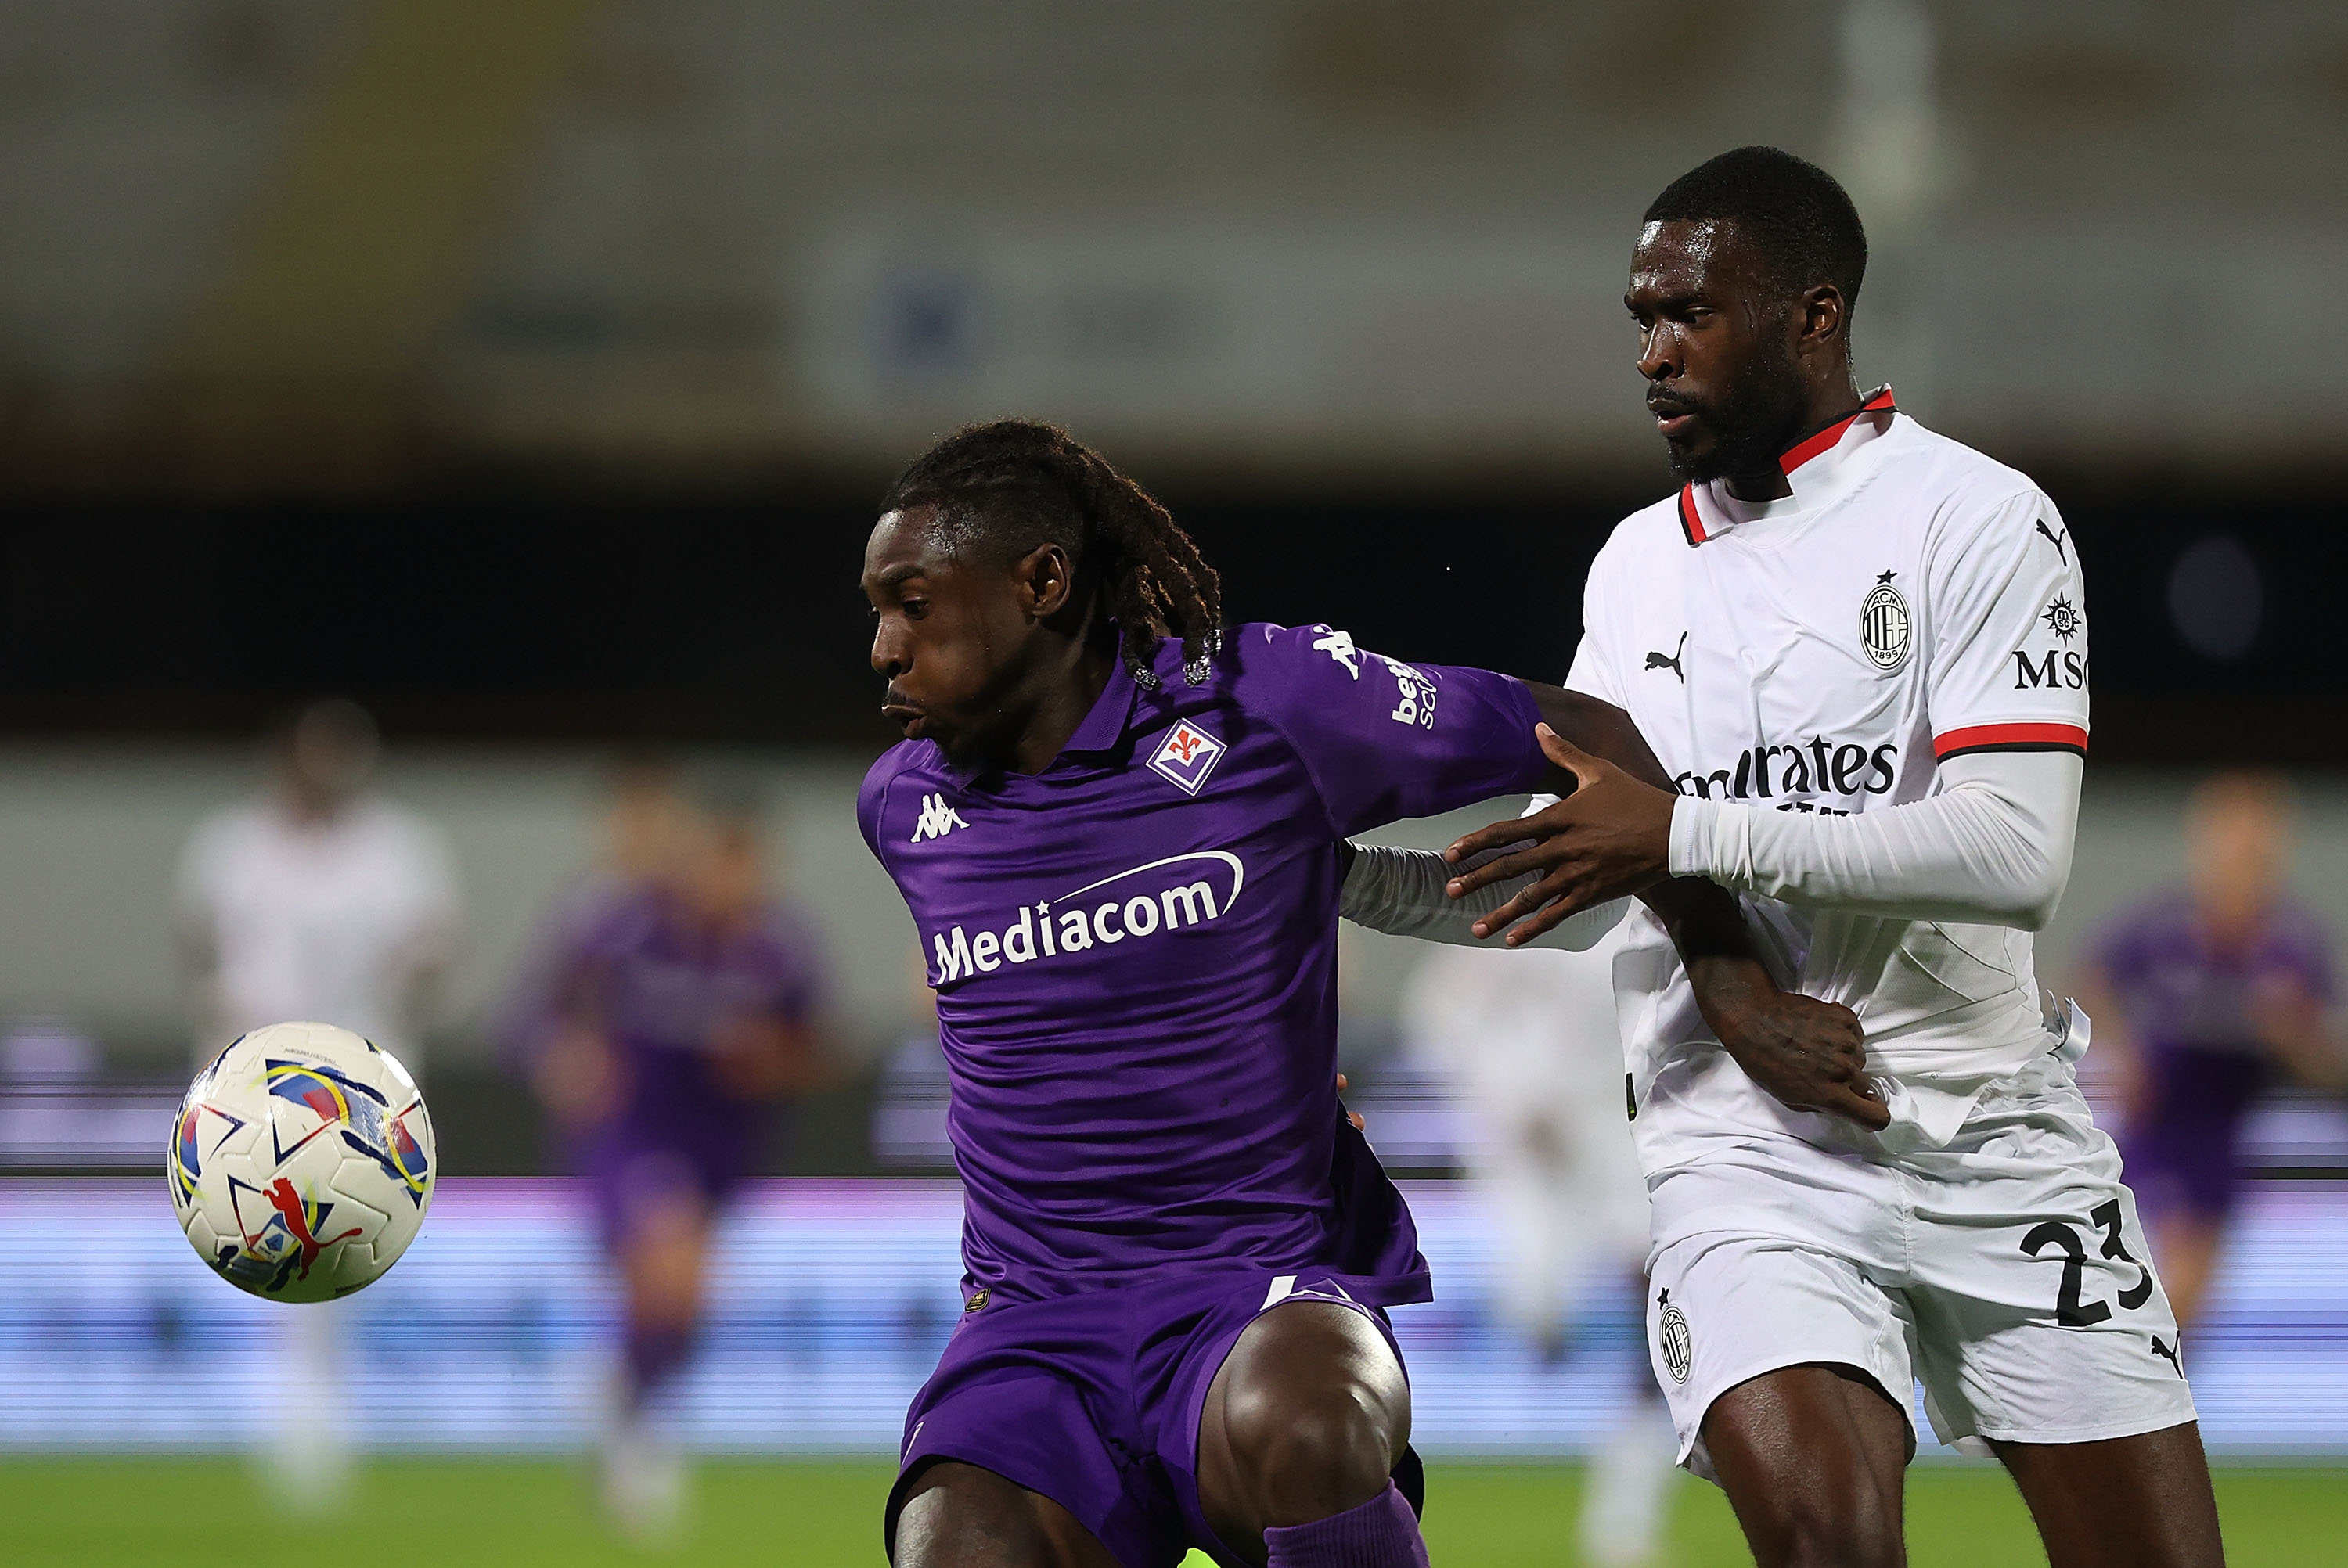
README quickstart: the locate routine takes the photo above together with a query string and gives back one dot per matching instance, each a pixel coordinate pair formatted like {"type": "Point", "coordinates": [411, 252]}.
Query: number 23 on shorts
{"type": "Point", "coordinates": [2069, 1310]}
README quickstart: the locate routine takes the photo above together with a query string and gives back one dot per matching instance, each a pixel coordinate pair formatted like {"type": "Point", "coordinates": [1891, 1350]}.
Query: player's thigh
{"type": "Point", "coordinates": [1813, 1461]}
{"type": "Point", "coordinates": [2139, 1502]}
{"type": "Point", "coordinates": [1306, 1418]}
{"type": "Point", "coordinates": [958, 1515]}
{"type": "Point", "coordinates": [1726, 1309]}
{"type": "Point", "coordinates": [2039, 1318]}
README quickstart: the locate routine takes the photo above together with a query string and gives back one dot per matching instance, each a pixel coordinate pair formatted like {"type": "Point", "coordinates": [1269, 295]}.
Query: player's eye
{"type": "Point", "coordinates": [914, 609]}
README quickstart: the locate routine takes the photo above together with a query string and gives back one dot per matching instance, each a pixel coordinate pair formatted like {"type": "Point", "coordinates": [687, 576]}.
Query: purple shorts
{"type": "Point", "coordinates": [637, 1182]}
{"type": "Point", "coordinates": [1094, 1399]}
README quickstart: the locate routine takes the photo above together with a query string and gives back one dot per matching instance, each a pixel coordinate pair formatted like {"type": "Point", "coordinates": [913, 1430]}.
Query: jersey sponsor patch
{"type": "Point", "coordinates": [1185, 756]}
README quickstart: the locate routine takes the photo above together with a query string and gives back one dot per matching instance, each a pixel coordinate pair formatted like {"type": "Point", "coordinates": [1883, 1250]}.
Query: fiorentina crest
{"type": "Point", "coordinates": [1185, 756]}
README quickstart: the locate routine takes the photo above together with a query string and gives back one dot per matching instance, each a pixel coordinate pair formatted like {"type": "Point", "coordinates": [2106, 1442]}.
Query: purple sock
{"type": "Point", "coordinates": [1381, 1533]}
{"type": "Point", "coordinates": [656, 1356]}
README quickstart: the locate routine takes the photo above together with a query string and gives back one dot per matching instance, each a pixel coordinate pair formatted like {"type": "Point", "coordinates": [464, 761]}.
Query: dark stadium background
{"type": "Point", "coordinates": [527, 373]}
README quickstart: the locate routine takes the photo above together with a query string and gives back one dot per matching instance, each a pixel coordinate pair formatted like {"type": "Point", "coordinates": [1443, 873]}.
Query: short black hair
{"type": "Point", "coordinates": [1799, 216]}
{"type": "Point", "coordinates": [1011, 484]}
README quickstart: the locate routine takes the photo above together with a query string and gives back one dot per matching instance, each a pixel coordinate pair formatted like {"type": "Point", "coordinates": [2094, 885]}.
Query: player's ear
{"type": "Point", "coordinates": [1045, 580]}
{"type": "Point", "coordinates": [1823, 315]}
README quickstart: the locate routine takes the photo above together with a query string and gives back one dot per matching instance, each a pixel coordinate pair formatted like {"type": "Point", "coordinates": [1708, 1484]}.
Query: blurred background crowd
{"type": "Point", "coordinates": [437, 441]}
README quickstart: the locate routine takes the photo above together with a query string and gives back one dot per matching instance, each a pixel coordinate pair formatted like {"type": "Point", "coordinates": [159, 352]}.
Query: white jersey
{"type": "Point", "coordinates": [330, 921]}
{"type": "Point", "coordinates": [1912, 600]}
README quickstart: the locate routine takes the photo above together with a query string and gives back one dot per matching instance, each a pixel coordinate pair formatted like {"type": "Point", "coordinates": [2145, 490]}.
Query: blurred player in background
{"type": "Point", "coordinates": [2205, 995]}
{"type": "Point", "coordinates": [674, 1009]}
{"type": "Point", "coordinates": [317, 901]}
{"type": "Point", "coordinates": [1528, 1043]}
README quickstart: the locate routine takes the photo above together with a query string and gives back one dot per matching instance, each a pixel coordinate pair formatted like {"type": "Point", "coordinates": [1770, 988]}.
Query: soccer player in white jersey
{"type": "Point", "coordinates": [1862, 649]}
{"type": "Point", "coordinates": [319, 900]}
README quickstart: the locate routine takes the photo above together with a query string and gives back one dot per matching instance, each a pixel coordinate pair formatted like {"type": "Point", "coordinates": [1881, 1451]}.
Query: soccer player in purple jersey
{"type": "Point", "coordinates": [2209, 993]}
{"type": "Point", "coordinates": [676, 1006]}
{"type": "Point", "coordinates": [1120, 828]}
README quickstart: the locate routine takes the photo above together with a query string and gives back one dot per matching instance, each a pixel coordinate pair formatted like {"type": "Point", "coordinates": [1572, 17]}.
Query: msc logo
{"type": "Point", "coordinates": [937, 819]}
{"type": "Point", "coordinates": [1185, 756]}
{"type": "Point", "coordinates": [2055, 670]}
{"type": "Point", "coordinates": [1159, 896]}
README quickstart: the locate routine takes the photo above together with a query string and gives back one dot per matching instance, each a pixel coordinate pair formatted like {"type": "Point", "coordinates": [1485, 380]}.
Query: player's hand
{"type": "Point", "coordinates": [1810, 1055]}
{"type": "Point", "coordinates": [1353, 1116]}
{"type": "Point", "coordinates": [1610, 837]}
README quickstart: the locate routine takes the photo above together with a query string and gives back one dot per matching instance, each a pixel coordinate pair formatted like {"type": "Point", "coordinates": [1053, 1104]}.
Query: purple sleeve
{"type": "Point", "coordinates": [1384, 740]}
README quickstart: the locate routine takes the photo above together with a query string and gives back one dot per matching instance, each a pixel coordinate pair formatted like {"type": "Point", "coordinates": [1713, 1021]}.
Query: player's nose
{"type": "Point", "coordinates": [1657, 358]}
{"type": "Point", "coordinates": [887, 652]}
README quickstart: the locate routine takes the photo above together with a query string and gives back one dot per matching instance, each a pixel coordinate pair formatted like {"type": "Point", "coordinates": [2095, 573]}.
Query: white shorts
{"type": "Point", "coordinates": [2007, 1271]}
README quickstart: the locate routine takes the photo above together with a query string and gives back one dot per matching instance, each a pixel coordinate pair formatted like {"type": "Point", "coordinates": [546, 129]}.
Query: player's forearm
{"type": "Point", "coordinates": [1600, 728]}
{"type": "Point", "coordinates": [1401, 892]}
{"type": "Point", "coordinates": [1994, 846]}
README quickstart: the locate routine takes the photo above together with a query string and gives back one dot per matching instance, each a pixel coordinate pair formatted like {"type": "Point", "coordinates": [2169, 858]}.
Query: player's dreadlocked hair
{"type": "Point", "coordinates": [1011, 484]}
{"type": "Point", "coordinates": [1797, 214]}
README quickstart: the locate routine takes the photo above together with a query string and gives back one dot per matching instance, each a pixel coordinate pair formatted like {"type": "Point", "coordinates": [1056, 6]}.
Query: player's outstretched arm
{"type": "Point", "coordinates": [1808, 1054]}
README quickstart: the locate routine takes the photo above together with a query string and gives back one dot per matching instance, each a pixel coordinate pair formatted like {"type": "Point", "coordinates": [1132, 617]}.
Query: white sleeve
{"type": "Point", "coordinates": [2006, 634]}
{"type": "Point", "coordinates": [1400, 892]}
{"type": "Point", "coordinates": [1992, 845]}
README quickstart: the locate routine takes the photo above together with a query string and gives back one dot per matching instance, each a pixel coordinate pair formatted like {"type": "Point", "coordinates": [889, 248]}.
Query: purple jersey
{"type": "Point", "coordinates": [662, 987]}
{"type": "Point", "coordinates": [1135, 953]}
{"type": "Point", "coordinates": [2194, 1008]}
{"type": "Point", "coordinates": [2183, 992]}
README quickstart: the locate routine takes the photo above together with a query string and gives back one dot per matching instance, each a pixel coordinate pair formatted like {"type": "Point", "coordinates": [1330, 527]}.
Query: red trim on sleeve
{"type": "Point", "coordinates": [1690, 523]}
{"type": "Point", "coordinates": [1801, 452]}
{"type": "Point", "coordinates": [2011, 738]}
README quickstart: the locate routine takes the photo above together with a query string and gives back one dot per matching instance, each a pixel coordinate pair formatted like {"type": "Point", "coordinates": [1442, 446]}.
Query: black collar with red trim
{"type": "Point", "coordinates": [1824, 439]}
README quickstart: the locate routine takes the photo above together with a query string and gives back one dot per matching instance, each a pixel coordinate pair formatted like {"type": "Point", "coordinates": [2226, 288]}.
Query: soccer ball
{"type": "Point", "coordinates": [301, 1162]}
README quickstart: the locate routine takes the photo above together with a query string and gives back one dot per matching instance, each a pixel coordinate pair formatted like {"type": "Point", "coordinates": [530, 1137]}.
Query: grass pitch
{"type": "Point", "coordinates": [149, 1512]}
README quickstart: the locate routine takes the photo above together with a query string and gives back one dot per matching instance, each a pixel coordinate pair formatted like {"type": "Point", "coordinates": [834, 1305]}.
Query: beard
{"type": "Point", "coordinates": [1752, 421]}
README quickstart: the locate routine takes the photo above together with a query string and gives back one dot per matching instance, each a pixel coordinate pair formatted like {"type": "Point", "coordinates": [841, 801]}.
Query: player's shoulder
{"type": "Point", "coordinates": [1653, 529]}
{"type": "Point", "coordinates": [1261, 655]}
{"type": "Point", "coordinates": [906, 764]}
{"type": "Point", "coordinates": [388, 825]}
{"type": "Point", "coordinates": [1967, 493]}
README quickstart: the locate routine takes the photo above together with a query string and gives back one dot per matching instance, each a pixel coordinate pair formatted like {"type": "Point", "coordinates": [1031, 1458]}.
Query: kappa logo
{"type": "Point", "coordinates": [1185, 756]}
{"type": "Point", "coordinates": [937, 819]}
{"type": "Point", "coordinates": [1339, 646]}
{"type": "Point", "coordinates": [1672, 1336]}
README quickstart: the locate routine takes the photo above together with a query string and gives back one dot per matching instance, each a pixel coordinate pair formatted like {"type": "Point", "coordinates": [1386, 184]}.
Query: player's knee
{"type": "Point", "coordinates": [1309, 1453]}
{"type": "Point", "coordinates": [1808, 1529]}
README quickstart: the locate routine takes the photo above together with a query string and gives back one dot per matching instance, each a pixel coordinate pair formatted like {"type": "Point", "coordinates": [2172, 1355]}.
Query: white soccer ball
{"type": "Point", "coordinates": [301, 1162]}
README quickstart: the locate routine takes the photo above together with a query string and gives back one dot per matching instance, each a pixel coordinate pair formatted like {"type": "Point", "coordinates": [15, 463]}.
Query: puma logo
{"type": "Point", "coordinates": [2055, 540]}
{"type": "Point", "coordinates": [1671, 662]}
{"type": "Point", "coordinates": [2168, 1354]}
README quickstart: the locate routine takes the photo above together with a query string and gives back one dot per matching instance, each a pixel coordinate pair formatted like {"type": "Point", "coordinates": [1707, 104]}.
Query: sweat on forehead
{"type": "Point", "coordinates": [1793, 217]}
